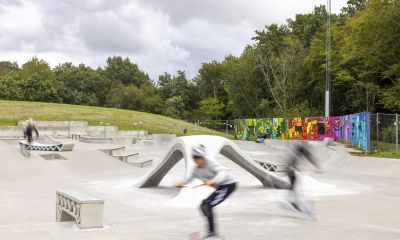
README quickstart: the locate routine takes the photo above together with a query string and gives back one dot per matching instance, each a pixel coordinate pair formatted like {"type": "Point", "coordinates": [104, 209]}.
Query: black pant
{"type": "Point", "coordinates": [292, 178]}
{"type": "Point", "coordinates": [217, 197]}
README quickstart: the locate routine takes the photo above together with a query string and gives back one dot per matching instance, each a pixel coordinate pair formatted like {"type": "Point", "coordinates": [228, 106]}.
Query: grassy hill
{"type": "Point", "coordinates": [12, 111]}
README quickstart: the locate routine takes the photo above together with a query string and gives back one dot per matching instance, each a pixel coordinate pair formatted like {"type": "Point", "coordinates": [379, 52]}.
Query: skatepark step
{"type": "Point", "coordinates": [124, 156]}
{"type": "Point", "coordinates": [113, 151]}
{"type": "Point", "coordinates": [85, 210]}
{"type": "Point", "coordinates": [141, 162]}
{"type": "Point", "coordinates": [132, 158]}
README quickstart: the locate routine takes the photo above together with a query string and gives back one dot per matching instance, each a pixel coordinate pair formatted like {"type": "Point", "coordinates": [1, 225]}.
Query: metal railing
{"type": "Point", "coordinates": [225, 126]}
{"type": "Point", "coordinates": [384, 131]}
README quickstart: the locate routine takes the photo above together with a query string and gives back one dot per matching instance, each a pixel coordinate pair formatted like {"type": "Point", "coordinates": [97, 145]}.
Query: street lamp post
{"type": "Point", "coordinates": [328, 60]}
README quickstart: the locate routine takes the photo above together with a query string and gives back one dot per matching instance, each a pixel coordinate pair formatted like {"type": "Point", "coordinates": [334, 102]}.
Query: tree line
{"type": "Point", "coordinates": [282, 73]}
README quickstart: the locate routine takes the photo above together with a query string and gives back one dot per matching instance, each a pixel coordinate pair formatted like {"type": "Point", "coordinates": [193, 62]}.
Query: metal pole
{"type": "Point", "coordinates": [69, 129]}
{"type": "Point", "coordinates": [377, 129]}
{"type": "Point", "coordinates": [328, 76]}
{"type": "Point", "coordinates": [397, 132]}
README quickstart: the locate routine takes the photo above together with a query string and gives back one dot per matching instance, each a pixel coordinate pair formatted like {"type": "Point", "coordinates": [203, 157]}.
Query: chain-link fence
{"type": "Point", "coordinates": [384, 131]}
{"type": "Point", "coordinates": [225, 126]}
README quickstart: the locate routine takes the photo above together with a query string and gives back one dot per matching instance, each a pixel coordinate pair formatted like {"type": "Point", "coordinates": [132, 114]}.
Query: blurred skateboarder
{"type": "Point", "coordinates": [29, 129]}
{"type": "Point", "coordinates": [299, 154]}
{"type": "Point", "coordinates": [215, 175]}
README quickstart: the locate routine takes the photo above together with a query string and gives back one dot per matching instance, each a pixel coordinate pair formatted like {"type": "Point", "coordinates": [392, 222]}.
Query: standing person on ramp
{"type": "Point", "coordinates": [215, 175]}
{"type": "Point", "coordinates": [28, 131]}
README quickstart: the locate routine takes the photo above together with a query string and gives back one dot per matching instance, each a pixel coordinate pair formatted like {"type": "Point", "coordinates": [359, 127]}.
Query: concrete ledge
{"type": "Point", "coordinates": [142, 163]}
{"type": "Point", "coordinates": [113, 151]}
{"type": "Point", "coordinates": [87, 139]}
{"type": "Point", "coordinates": [85, 210]}
{"type": "Point", "coordinates": [125, 156]}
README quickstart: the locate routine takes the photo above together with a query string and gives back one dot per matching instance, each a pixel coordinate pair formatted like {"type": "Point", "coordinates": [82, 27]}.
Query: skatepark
{"type": "Point", "coordinates": [355, 197]}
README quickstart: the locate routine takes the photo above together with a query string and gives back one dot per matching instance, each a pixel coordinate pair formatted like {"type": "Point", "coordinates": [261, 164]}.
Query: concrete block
{"type": "Point", "coordinates": [85, 210]}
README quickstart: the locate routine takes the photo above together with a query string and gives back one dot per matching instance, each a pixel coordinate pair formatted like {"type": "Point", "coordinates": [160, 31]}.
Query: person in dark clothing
{"type": "Point", "coordinates": [215, 175]}
{"type": "Point", "coordinates": [29, 129]}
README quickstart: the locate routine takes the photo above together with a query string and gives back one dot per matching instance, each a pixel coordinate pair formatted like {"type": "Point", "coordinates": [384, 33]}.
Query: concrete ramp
{"type": "Point", "coordinates": [181, 149]}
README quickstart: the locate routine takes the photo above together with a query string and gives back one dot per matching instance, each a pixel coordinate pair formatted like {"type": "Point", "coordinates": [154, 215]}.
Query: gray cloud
{"type": "Point", "coordinates": [160, 35]}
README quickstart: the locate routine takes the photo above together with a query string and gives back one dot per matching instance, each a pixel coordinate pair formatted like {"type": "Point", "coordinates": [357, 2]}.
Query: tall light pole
{"type": "Point", "coordinates": [328, 76]}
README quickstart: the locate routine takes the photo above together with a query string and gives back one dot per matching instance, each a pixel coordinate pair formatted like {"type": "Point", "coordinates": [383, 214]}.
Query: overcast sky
{"type": "Point", "coordinates": [159, 35]}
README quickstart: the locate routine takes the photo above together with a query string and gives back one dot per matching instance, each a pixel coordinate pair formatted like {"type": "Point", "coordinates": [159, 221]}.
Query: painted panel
{"type": "Point", "coordinates": [352, 128]}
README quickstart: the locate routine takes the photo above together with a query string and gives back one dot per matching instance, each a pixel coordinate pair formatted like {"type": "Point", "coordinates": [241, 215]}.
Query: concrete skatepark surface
{"type": "Point", "coordinates": [355, 198]}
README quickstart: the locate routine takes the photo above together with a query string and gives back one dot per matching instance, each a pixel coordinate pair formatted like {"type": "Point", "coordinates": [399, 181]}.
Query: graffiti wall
{"type": "Point", "coordinates": [353, 128]}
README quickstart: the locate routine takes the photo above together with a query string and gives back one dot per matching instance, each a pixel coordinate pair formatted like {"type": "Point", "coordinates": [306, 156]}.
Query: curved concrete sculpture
{"type": "Point", "coordinates": [215, 145]}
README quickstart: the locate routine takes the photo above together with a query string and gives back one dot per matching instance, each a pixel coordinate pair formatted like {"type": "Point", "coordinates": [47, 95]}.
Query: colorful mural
{"type": "Point", "coordinates": [353, 128]}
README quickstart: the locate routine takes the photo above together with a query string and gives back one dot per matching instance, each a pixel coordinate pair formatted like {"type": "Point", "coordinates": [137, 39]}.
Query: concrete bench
{"type": "Point", "coordinates": [124, 156]}
{"type": "Point", "coordinates": [272, 167]}
{"type": "Point", "coordinates": [85, 210]}
{"type": "Point", "coordinates": [142, 162]}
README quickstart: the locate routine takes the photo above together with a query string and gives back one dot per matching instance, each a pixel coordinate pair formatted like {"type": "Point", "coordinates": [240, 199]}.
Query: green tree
{"type": "Point", "coordinates": [305, 26]}
{"type": "Point", "coordinates": [10, 87]}
{"type": "Point", "coordinates": [37, 81]}
{"type": "Point", "coordinates": [177, 89]}
{"type": "Point", "coordinates": [123, 71]}
{"type": "Point", "coordinates": [211, 82]}
{"type": "Point", "coordinates": [131, 97]}
{"type": "Point", "coordinates": [81, 84]}
{"type": "Point", "coordinates": [353, 6]}
{"type": "Point", "coordinates": [211, 108]}
{"type": "Point", "coordinates": [6, 67]}
{"type": "Point", "coordinates": [280, 57]}
{"type": "Point", "coordinates": [38, 67]}
{"type": "Point", "coordinates": [244, 84]}
{"type": "Point", "coordinates": [174, 107]}
{"type": "Point", "coordinates": [370, 53]}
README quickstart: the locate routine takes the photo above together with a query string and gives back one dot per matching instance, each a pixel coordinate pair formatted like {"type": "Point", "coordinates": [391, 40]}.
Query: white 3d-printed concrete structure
{"type": "Point", "coordinates": [181, 149]}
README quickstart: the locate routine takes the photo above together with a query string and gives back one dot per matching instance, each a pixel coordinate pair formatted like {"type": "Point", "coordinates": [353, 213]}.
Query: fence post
{"type": "Point", "coordinates": [69, 129]}
{"type": "Point", "coordinates": [377, 129]}
{"type": "Point", "coordinates": [397, 132]}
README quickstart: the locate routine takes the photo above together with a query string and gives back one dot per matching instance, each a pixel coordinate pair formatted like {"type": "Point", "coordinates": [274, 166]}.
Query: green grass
{"type": "Point", "coordinates": [384, 150]}
{"type": "Point", "coordinates": [381, 153]}
{"type": "Point", "coordinates": [13, 111]}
